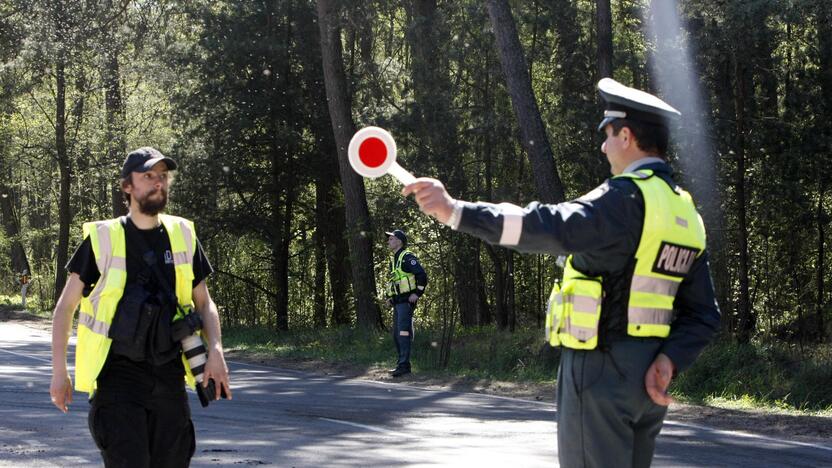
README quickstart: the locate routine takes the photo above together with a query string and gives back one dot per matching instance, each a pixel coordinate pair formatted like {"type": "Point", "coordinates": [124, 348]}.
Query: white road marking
{"type": "Point", "coordinates": [369, 428]}
{"type": "Point", "coordinates": [27, 356]}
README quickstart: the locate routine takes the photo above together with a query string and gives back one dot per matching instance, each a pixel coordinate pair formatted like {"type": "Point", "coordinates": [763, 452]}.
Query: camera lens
{"type": "Point", "coordinates": [195, 354]}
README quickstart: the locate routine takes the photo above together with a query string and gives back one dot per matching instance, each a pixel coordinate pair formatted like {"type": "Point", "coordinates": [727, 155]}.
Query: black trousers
{"type": "Point", "coordinates": [139, 416]}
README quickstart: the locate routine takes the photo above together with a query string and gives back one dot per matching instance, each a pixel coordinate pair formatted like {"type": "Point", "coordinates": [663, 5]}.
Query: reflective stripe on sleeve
{"type": "Point", "coordinates": [512, 223]}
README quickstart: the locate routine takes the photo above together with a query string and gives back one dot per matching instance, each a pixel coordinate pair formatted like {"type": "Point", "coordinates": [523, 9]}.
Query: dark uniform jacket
{"type": "Point", "coordinates": [410, 264]}
{"type": "Point", "coordinates": [603, 229]}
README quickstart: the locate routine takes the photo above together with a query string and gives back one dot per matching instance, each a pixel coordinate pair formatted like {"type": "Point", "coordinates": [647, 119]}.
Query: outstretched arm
{"type": "Point", "coordinates": [596, 222]}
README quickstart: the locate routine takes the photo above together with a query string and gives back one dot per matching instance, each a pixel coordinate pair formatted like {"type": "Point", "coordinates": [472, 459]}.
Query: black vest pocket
{"type": "Point", "coordinates": [131, 321]}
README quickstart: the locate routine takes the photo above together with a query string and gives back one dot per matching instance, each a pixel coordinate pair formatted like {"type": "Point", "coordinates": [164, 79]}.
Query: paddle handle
{"type": "Point", "coordinates": [401, 174]}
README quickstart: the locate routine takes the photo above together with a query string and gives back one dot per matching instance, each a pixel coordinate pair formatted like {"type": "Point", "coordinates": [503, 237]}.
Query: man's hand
{"type": "Point", "coordinates": [216, 369]}
{"type": "Point", "coordinates": [61, 390]}
{"type": "Point", "coordinates": [412, 298]}
{"type": "Point", "coordinates": [390, 302]}
{"type": "Point", "coordinates": [658, 378]}
{"type": "Point", "coordinates": [432, 198]}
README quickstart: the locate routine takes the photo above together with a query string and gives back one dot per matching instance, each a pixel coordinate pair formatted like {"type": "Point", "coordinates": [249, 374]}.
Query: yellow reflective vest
{"type": "Point", "coordinates": [672, 237]}
{"type": "Point", "coordinates": [97, 310]}
{"type": "Point", "coordinates": [401, 282]}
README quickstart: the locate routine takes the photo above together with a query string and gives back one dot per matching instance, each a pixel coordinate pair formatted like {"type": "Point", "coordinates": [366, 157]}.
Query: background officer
{"type": "Point", "coordinates": [405, 286]}
{"type": "Point", "coordinates": [636, 305]}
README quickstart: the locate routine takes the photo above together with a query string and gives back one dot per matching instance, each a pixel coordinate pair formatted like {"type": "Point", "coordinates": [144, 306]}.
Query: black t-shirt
{"type": "Point", "coordinates": [83, 260]}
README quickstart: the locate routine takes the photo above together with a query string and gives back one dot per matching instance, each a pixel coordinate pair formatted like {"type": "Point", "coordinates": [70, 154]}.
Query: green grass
{"type": "Point", "coordinates": [726, 375]}
{"type": "Point", "coordinates": [481, 353]}
{"type": "Point", "coordinates": [335, 345]}
{"type": "Point", "coordinates": [778, 377]}
{"type": "Point", "coordinates": [12, 302]}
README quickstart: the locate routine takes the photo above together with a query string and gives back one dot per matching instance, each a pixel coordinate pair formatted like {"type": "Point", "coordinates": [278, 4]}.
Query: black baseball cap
{"type": "Point", "coordinates": [142, 159]}
{"type": "Point", "coordinates": [399, 234]}
{"type": "Point", "coordinates": [623, 102]}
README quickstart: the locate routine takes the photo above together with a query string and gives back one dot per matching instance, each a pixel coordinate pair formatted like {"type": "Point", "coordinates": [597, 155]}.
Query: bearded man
{"type": "Point", "coordinates": [140, 281]}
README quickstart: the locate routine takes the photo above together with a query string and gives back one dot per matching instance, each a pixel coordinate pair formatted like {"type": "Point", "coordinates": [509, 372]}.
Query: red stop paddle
{"type": "Point", "coordinates": [372, 153]}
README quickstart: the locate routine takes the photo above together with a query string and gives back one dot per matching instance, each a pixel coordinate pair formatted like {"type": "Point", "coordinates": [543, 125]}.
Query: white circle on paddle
{"type": "Point", "coordinates": [372, 151]}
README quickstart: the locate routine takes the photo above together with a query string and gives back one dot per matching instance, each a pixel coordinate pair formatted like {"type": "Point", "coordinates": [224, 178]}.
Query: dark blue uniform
{"type": "Point", "coordinates": [602, 391]}
{"type": "Point", "coordinates": [403, 311]}
{"type": "Point", "coordinates": [410, 264]}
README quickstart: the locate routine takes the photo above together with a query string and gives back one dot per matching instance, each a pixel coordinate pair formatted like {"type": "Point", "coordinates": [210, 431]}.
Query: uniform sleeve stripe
{"type": "Point", "coordinates": [512, 224]}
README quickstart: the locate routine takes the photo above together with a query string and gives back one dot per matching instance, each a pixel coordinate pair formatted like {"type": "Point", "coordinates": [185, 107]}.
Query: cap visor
{"type": "Point", "coordinates": [170, 163]}
{"type": "Point", "coordinates": [605, 122]}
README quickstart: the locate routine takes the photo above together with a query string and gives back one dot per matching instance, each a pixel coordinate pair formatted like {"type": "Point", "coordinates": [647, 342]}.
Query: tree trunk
{"type": "Point", "coordinates": [115, 133]}
{"type": "Point", "coordinates": [329, 208]}
{"type": "Point", "coordinates": [511, 303]}
{"type": "Point", "coordinates": [484, 317]}
{"type": "Point", "coordinates": [357, 214]}
{"type": "Point", "coordinates": [283, 149]}
{"type": "Point", "coordinates": [10, 221]}
{"type": "Point", "coordinates": [437, 127]}
{"type": "Point", "coordinates": [824, 25]}
{"type": "Point", "coordinates": [284, 241]}
{"type": "Point", "coordinates": [500, 288]}
{"type": "Point", "coordinates": [574, 83]}
{"type": "Point", "coordinates": [746, 321]}
{"type": "Point", "coordinates": [532, 131]}
{"type": "Point", "coordinates": [319, 307]}
{"type": "Point", "coordinates": [64, 164]}
{"type": "Point", "coordinates": [820, 218]}
{"type": "Point", "coordinates": [603, 22]}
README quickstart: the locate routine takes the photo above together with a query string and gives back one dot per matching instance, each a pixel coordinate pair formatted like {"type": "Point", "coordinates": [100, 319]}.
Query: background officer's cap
{"type": "Point", "coordinates": [400, 234]}
{"type": "Point", "coordinates": [628, 103]}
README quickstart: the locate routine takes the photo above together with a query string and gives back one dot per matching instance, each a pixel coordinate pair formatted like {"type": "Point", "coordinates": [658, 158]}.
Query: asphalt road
{"type": "Point", "coordinates": [287, 418]}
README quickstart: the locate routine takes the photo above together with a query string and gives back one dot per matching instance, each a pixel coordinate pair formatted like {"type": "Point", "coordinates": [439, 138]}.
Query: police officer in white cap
{"type": "Point", "coordinates": [636, 304]}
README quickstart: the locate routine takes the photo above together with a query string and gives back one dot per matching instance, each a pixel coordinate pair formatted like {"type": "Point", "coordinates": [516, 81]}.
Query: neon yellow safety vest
{"type": "Point", "coordinates": [400, 282]}
{"type": "Point", "coordinates": [97, 309]}
{"type": "Point", "coordinates": [672, 237]}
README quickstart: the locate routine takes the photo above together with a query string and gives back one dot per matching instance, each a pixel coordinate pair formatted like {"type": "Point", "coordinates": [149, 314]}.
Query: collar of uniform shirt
{"type": "Point", "coordinates": [642, 162]}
